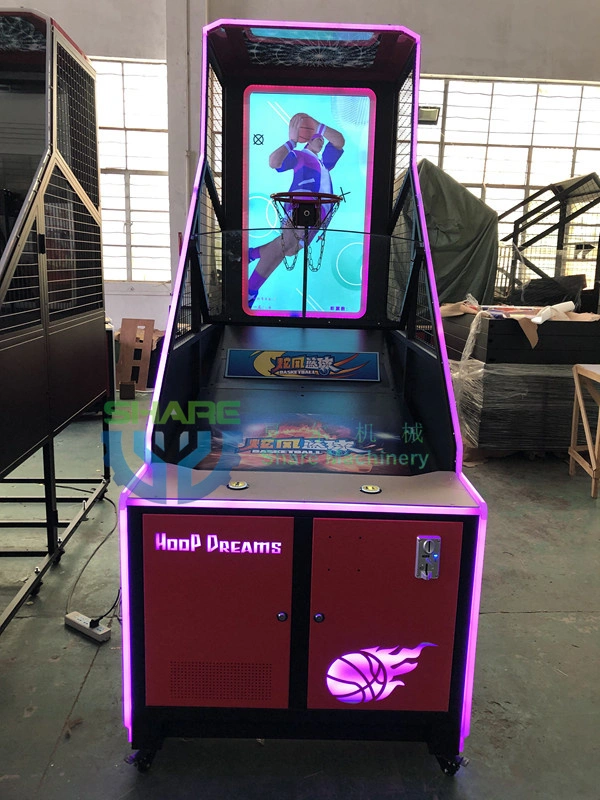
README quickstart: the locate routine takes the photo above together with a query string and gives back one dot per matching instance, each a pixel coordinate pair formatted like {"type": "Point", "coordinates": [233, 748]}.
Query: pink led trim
{"type": "Point", "coordinates": [125, 594]}
{"type": "Point", "coordinates": [482, 511]}
{"type": "Point", "coordinates": [125, 615]}
{"type": "Point", "coordinates": [325, 90]}
{"type": "Point", "coordinates": [336, 26]}
{"type": "Point", "coordinates": [369, 200]}
{"type": "Point", "coordinates": [465, 723]}
{"type": "Point", "coordinates": [162, 364]}
{"type": "Point", "coordinates": [274, 505]}
{"type": "Point", "coordinates": [432, 283]}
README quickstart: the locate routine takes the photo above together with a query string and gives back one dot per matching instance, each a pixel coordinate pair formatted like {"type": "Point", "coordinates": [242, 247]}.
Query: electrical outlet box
{"type": "Point", "coordinates": [81, 623]}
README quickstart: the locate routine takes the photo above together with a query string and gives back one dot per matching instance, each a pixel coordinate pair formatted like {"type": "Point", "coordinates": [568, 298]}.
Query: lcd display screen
{"type": "Point", "coordinates": [307, 140]}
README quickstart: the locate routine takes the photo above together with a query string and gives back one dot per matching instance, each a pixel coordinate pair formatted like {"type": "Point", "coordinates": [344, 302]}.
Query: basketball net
{"type": "Point", "coordinates": [287, 205]}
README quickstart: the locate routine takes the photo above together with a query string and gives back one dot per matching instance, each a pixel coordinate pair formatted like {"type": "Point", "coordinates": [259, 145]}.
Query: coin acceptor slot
{"type": "Point", "coordinates": [427, 566]}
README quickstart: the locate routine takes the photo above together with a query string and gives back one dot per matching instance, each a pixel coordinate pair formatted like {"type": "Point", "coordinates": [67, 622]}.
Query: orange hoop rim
{"type": "Point", "coordinates": [319, 198]}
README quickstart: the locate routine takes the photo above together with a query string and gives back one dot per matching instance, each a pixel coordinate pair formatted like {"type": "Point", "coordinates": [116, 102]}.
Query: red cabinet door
{"type": "Point", "coordinates": [386, 637]}
{"type": "Point", "coordinates": [213, 589]}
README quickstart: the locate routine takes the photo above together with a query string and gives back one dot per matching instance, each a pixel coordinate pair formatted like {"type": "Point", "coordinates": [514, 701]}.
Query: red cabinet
{"type": "Point", "coordinates": [213, 589]}
{"type": "Point", "coordinates": [374, 625]}
{"type": "Point", "coordinates": [217, 613]}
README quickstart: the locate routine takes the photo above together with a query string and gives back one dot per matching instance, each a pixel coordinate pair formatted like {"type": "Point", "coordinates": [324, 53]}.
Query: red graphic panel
{"type": "Point", "coordinates": [382, 626]}
{"type": "Point", "coordinates": [213, 589]}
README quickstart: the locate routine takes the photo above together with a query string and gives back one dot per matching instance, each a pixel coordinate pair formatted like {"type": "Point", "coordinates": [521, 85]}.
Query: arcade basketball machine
{"type": "Point", "coordinates": [301, 554]}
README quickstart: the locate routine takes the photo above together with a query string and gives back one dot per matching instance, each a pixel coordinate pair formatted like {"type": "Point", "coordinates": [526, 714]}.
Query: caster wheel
{"type": "Point", "coordinates": [142, 760]}
{"type": "Point", "coordinates": [144, 764]}
{"type": "Point", "coordinates": [450, 766]}
{"type": "Point", "coordinates": [36, 589]}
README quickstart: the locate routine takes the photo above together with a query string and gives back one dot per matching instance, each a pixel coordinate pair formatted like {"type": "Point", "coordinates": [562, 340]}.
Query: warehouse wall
{"type": "Point", "coordinates": [512, 38]}
{"type": "Point", "coordinates": [114, 28]}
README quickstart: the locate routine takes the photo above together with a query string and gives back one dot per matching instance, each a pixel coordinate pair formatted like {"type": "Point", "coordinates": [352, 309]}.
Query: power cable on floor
{"type": "Point", "coordinates": [95, 621]}
{"type": "Point", "coordinates": [74, 488]}
{"type": "Point", "coordinates": [90, 557]}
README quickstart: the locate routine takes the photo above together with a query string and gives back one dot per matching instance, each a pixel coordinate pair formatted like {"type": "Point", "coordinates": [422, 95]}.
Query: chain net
{"type": "Point", "coordinates": [294, 239]}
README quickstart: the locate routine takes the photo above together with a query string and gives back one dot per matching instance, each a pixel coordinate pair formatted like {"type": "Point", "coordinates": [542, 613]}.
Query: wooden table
{"type": "Point", "coordinates": [586, 377]}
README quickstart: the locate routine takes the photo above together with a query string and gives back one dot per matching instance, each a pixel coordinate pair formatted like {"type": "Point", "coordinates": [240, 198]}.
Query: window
{"type": "Point", "coordinates": [133, 156]}
{"type": "Point", "coordinates": [504, 139]}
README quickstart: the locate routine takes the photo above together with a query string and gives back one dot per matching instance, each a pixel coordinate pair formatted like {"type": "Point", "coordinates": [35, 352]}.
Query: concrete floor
{"type": "Point", "coordinates": [536, 716]}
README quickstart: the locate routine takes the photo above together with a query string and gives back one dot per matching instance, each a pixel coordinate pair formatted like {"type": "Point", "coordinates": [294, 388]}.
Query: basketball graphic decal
{"type": "Point", "coordinates": [372, 673]}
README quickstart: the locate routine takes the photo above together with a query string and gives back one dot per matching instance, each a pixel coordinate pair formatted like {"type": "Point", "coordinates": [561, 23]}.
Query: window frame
{"type": "Point", "coordinates": [129, 246]}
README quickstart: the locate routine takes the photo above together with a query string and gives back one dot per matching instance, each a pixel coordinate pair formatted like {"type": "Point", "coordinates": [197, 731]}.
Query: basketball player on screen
{"type": "Point", "coordinates": [311, 173]}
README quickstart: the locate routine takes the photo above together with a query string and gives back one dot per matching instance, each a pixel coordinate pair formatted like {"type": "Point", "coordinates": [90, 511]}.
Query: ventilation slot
{"type": "Point", "coordinates": [214, 682]}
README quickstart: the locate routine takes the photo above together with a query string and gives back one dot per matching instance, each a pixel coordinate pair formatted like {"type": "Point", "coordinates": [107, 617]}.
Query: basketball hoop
{"type": "Point", "coordinates": [308, 212]}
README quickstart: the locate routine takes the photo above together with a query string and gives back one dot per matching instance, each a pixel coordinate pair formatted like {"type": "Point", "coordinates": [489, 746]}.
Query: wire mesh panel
{"type": "Point", "coordinates": [401, 248]}
{"type": "Point", "coordinates": [424, 323]}
{"type": "Point", "coordinates": [210, 250]}
{"type": "Point", "coordinates": [409, 299]}
{"type": "Point", "coordinates": [73, 251]}
{"type": "Point", "coordinates": [205, 249]}
{"type": "Point", "coordinates": [214, 130]}
{"type": "Point", "coordinates": [23, 112]}
{"type": "Point", "coordinates": [21, 307]}
{"type": "Point", "coordinates": [403, 133]}
{"type": "Point", "coordinates": [76, 121]}
{"type": "Point", "coordinates": [183, 320]}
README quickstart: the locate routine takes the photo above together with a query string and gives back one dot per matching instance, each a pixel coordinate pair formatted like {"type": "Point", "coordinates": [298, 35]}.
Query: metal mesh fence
{"type": "Point", "coordinates": [76, 121]}
{"type": "Point", "coordinates": [424, 325]}
{"type": "Point", "coordinates": [73, 252]}
{"type": "Point", "coordinates": [214, 130]}
{"type": "Point", "coordinates": [406, 254]}
{"type": "Point", "coordinates": [401, 246]}
{"type": "Point", "coordinates": [21, 307]}
{"type": "Point", "coordinates": [183, 322]}
{"type": "Point", "coordinates": [403, 133]}
{"type": "Point", "coordinates": [210, 252]}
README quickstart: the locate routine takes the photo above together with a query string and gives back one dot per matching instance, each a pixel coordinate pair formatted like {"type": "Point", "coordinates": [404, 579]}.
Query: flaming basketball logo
{"type": "Point", "coordinates": [372, 673]}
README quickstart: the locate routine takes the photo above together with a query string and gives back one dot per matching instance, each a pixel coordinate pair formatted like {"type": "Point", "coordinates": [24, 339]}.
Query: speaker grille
{"type": "Point", "coordinates": [220, 681]}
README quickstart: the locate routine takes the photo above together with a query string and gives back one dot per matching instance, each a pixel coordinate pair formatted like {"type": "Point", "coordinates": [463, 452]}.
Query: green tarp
{"type": "Point", "coordinates": [463, 233]}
